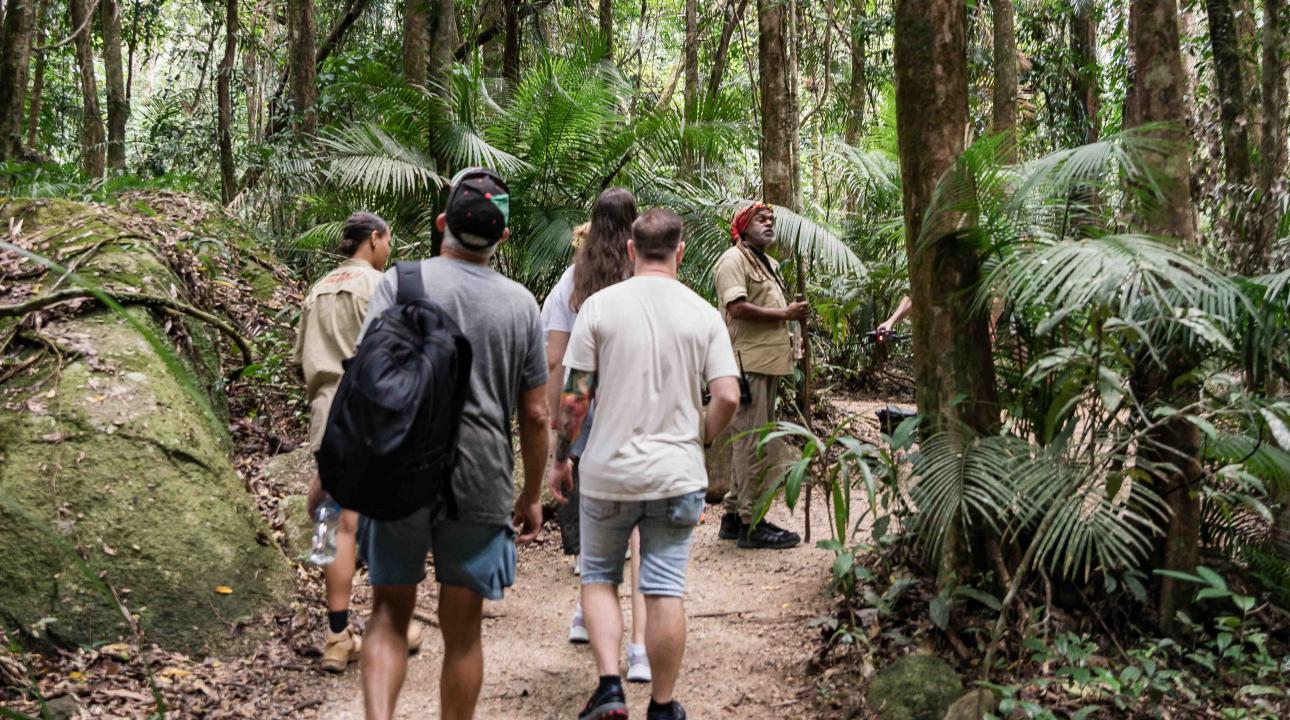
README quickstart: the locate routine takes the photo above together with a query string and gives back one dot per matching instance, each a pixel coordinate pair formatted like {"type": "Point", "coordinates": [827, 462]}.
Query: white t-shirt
{"type": "Point", "coordinates": [651, 342]}
{"type": "Point", "coordinates": [557, 313]}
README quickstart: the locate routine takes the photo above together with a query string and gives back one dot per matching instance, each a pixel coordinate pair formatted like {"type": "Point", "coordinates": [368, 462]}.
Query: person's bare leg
{"type": "Point", "coordinates": [339, 574]}
{"type": "Point", "coordinates": [665, 643]}
{"type": "Point", "coordinates": [638, 600]}
{"type": "Point", "coordinates": [604, 618]}
{"type": "Point", "coordinates": [461, 614]}
{"type": "Point", "coordinates": [385, 648]}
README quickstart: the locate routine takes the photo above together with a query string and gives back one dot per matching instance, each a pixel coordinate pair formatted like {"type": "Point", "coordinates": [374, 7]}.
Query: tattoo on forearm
{"type": "Point", "coordinates": [575, 402]}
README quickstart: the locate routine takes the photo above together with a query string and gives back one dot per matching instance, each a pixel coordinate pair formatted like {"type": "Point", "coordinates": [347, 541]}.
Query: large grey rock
{"type": "Point", "coordinates": [915, 687]}
{"type": "Point", "coordinates": [112, 467]}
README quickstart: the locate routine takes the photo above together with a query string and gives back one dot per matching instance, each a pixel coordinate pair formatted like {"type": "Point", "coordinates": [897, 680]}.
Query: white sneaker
{"type": "Point", "coordinates": [637, 664]}
{"type": "Point", "coordinates": [578, 628]}
{"type": "Point", "coordinates": [577, 564]}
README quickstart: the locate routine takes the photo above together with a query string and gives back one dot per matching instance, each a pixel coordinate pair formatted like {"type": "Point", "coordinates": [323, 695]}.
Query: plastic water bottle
{"type": "Point", "coordinates": [326, 520]}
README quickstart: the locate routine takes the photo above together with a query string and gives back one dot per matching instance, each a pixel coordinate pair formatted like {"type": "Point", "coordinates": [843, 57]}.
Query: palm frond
{"type": "Point", "coordinates": [365, 157]}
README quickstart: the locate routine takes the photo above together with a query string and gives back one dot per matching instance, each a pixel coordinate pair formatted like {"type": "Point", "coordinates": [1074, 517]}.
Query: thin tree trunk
{"type": "Point", "coordinates": [511, 44]}
{"type": "Point", "coordinates": [302, 65]}
{"type": "Point", "coordinates": [1005, 73]}
{"type": "Point", "coordinates": [856, 93]}
{"type": "Point", "coordinates": [1272, 145]}
{"type": "Point", "coordinates": [15, 56]}
{"type": "Point", "coordinates": [228, 177]}
{"type": "Point", "coordinates": [38, 80]}
{"type": "Point", "coordinates": [1249, 45]}
{"type": "Point", "coordinates": [1159, 91]}
{"type": "Point", "coordinates": [734, 16]}
{"type": "Point", "coordinates": [416, 40]}
{"type": "Point", "coordinates": [1231, 92]}
{"type": "Point", "coordinates": [691, 59]}
{"type": "Point", "coordinates": [118, 108]}
{"type": "Point", "coordinates": [953, 369]}
{"type": "Point", "coordinates": [443, 40]}
{"type": "Point", "coordinates": [606, 12]}
{"type": "Point", "coordinates": [1085, 94]}
{"type": "Point", "coordinates": [92, 139]}
{"type": "Point", "coordinates": [778, 113]}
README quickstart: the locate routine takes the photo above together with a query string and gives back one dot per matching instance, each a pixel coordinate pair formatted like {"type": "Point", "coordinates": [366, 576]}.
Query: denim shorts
{"type": "Point", "coordinates": [665, 528]}
{"type": "Point", "coordinates": [476, 556]}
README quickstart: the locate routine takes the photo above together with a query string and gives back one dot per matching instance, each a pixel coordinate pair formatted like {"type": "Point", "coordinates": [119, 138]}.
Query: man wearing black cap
{"type": "Point", "coordinates": [474, 553]}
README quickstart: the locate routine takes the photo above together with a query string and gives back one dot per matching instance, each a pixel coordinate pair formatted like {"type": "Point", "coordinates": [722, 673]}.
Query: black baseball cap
{"type": "Point", "coordinates": [479, 204]}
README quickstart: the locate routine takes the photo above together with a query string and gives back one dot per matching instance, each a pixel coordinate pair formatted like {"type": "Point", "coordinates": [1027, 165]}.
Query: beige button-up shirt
{"type": "Point", "coordinates": [330, 320]}
{"type": "Point", "coordinates": [761, 347]}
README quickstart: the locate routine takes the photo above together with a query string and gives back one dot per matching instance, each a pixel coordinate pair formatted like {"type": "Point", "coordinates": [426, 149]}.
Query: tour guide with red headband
{"type": "Point", "coordinates": [743, 216]}
{"type": "Point", "coordinates": [479, 205]}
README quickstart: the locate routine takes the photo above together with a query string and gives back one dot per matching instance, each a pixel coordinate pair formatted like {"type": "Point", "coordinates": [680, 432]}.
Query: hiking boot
{"type": "Point", "coordinates": [731, 526]}
{"type": "Point", "coordinates": [341, 649]}
{"type": "Point", "coordinates": [760, 537]}
{"type": "Point", "coordinates": [606, 704]}
{"type": "Point", "coordinates": [638, 664]}
{"type": "Point", "coordinates": [578, 627]}
{"type": "Point", "coordinates": [782, 531]}
{"type": "Point", "coordinates": [416, 633]}
{"type": "Point", "coordinates": [671, 711]}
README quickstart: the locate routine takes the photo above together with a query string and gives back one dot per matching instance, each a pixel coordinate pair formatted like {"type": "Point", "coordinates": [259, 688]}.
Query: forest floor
{"type": "Point", "coordinates": [748, 636]}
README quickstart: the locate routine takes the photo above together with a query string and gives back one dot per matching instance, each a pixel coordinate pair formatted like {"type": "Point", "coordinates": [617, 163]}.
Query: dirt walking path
{"type": "Point", "coordinates": [748, 637]}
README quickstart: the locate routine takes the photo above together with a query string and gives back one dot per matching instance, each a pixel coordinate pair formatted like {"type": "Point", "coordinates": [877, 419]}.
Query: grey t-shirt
{"type": "Point", "coordinates": [500, 318]}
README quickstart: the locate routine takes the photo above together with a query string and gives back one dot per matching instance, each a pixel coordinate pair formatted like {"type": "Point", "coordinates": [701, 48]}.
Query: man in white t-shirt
{"type": "Point", "coordinates": [644, 348]}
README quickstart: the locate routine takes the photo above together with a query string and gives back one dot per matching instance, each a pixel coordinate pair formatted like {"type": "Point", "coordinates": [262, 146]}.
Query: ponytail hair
{"type": "Point", "coordinates": [357, 230]}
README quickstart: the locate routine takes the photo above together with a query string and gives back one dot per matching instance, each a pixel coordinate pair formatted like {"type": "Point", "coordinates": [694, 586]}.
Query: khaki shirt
{"type": "Point", "coordinates": [329, 323]}
{"type": "Point", "coordinates": [761, 347]}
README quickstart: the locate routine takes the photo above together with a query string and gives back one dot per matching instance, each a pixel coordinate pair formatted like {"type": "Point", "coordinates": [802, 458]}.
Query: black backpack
{"type": "Point", "coordinates": [390, 446]}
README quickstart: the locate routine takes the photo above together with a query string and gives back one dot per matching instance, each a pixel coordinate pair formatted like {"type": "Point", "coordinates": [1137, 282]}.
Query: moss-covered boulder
{"type": "Point", "coordinates": [117, 492]}
{"type": "Point", "coordinates": [915, 687]}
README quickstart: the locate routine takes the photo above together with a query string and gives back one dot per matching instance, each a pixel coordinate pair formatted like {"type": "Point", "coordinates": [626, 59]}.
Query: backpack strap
{"type": "Point", "coordinates": [410, 285]}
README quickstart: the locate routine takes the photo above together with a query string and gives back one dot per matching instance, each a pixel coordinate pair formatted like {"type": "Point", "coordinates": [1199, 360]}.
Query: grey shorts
{"type": "Point", "coordinates": [476, 556]}
{"type": "Point", "coordinates": [665, 527]}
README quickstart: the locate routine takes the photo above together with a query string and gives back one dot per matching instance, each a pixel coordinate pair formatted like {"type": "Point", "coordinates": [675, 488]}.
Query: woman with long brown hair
{"type": "Point", "coordinates": [601, 261]}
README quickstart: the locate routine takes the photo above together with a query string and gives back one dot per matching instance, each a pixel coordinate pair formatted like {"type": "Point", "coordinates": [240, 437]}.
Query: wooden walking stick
{"type": "Point", "coordinates": [804, 390]}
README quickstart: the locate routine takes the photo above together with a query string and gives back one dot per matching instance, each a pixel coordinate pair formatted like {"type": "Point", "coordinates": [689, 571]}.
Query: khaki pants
{"type": "Point", "coordinates": [747, 480]}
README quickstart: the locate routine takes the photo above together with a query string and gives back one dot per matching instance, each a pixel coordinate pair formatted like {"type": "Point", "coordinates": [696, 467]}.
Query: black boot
{"type": "Point", "coordinates": [760, 537]}
{"type": "Point", "coordinates": [731, 526]}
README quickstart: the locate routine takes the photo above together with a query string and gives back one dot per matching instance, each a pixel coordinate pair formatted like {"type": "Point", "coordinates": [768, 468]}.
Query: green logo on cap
{"type": "Point", "coordinates": [503, 203]}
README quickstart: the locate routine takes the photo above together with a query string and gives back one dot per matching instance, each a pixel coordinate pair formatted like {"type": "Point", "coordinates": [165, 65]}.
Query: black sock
{"type": "Point", "coordinates": [610, 682]}
{"type": "Point", "coordinates": [655, 707]}
{"type": "Point", "coordinates": [338, 620]}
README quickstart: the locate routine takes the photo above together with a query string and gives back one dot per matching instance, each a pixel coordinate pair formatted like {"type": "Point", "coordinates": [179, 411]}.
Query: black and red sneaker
{"type": "Point", "coordinates": [607, 703]}
{"type": "Point", "coordinates": [670, 711]}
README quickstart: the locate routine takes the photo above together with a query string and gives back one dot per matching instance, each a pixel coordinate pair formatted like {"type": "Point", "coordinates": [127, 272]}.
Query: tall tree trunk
{"type": "Point", "coordinates": [511, 44]}
{"type": "Point", "coordinates": [1159, 91]}
{"type": "Point", "coordinates": [1237, 165]}
{"type": "Point", "coordinates": [1005, 73]}
{"type": "Point", "coordinates": [416, 40]}
{"type": "Point", "coordinates": [1085, 94]}
{"type": "Point", "coordinates": [779, 174]}
{"type": "Point", "coordinates": [443, 40]}
{"type": "Point", "coordinates": [1231, 91]}
{"type": "Point", "coordinates": [302, 68]}
{"type": "Point", "coordinates": [953, 369]}
{"type": "Point", "coordinates": [38, 80]}
{"type": "Point", "coordinates": [857, 92]}
{"type": "Point", "coordinates": [606, 9]}
{"type": "Point", "coordinates": [118, 108]}
{"type": "Point", "coordinates": [691, 59]}
{"type": "Point", "coordinates": [228, 177]}
{"type": "Point", "coordinates": [15, 57]}
{"type": "Point", "coordinates": [92, 139]}
{"type": "Point", "coordinates": [734, 16]}
{"type": "Point", "coordinates": [1272, 145]}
